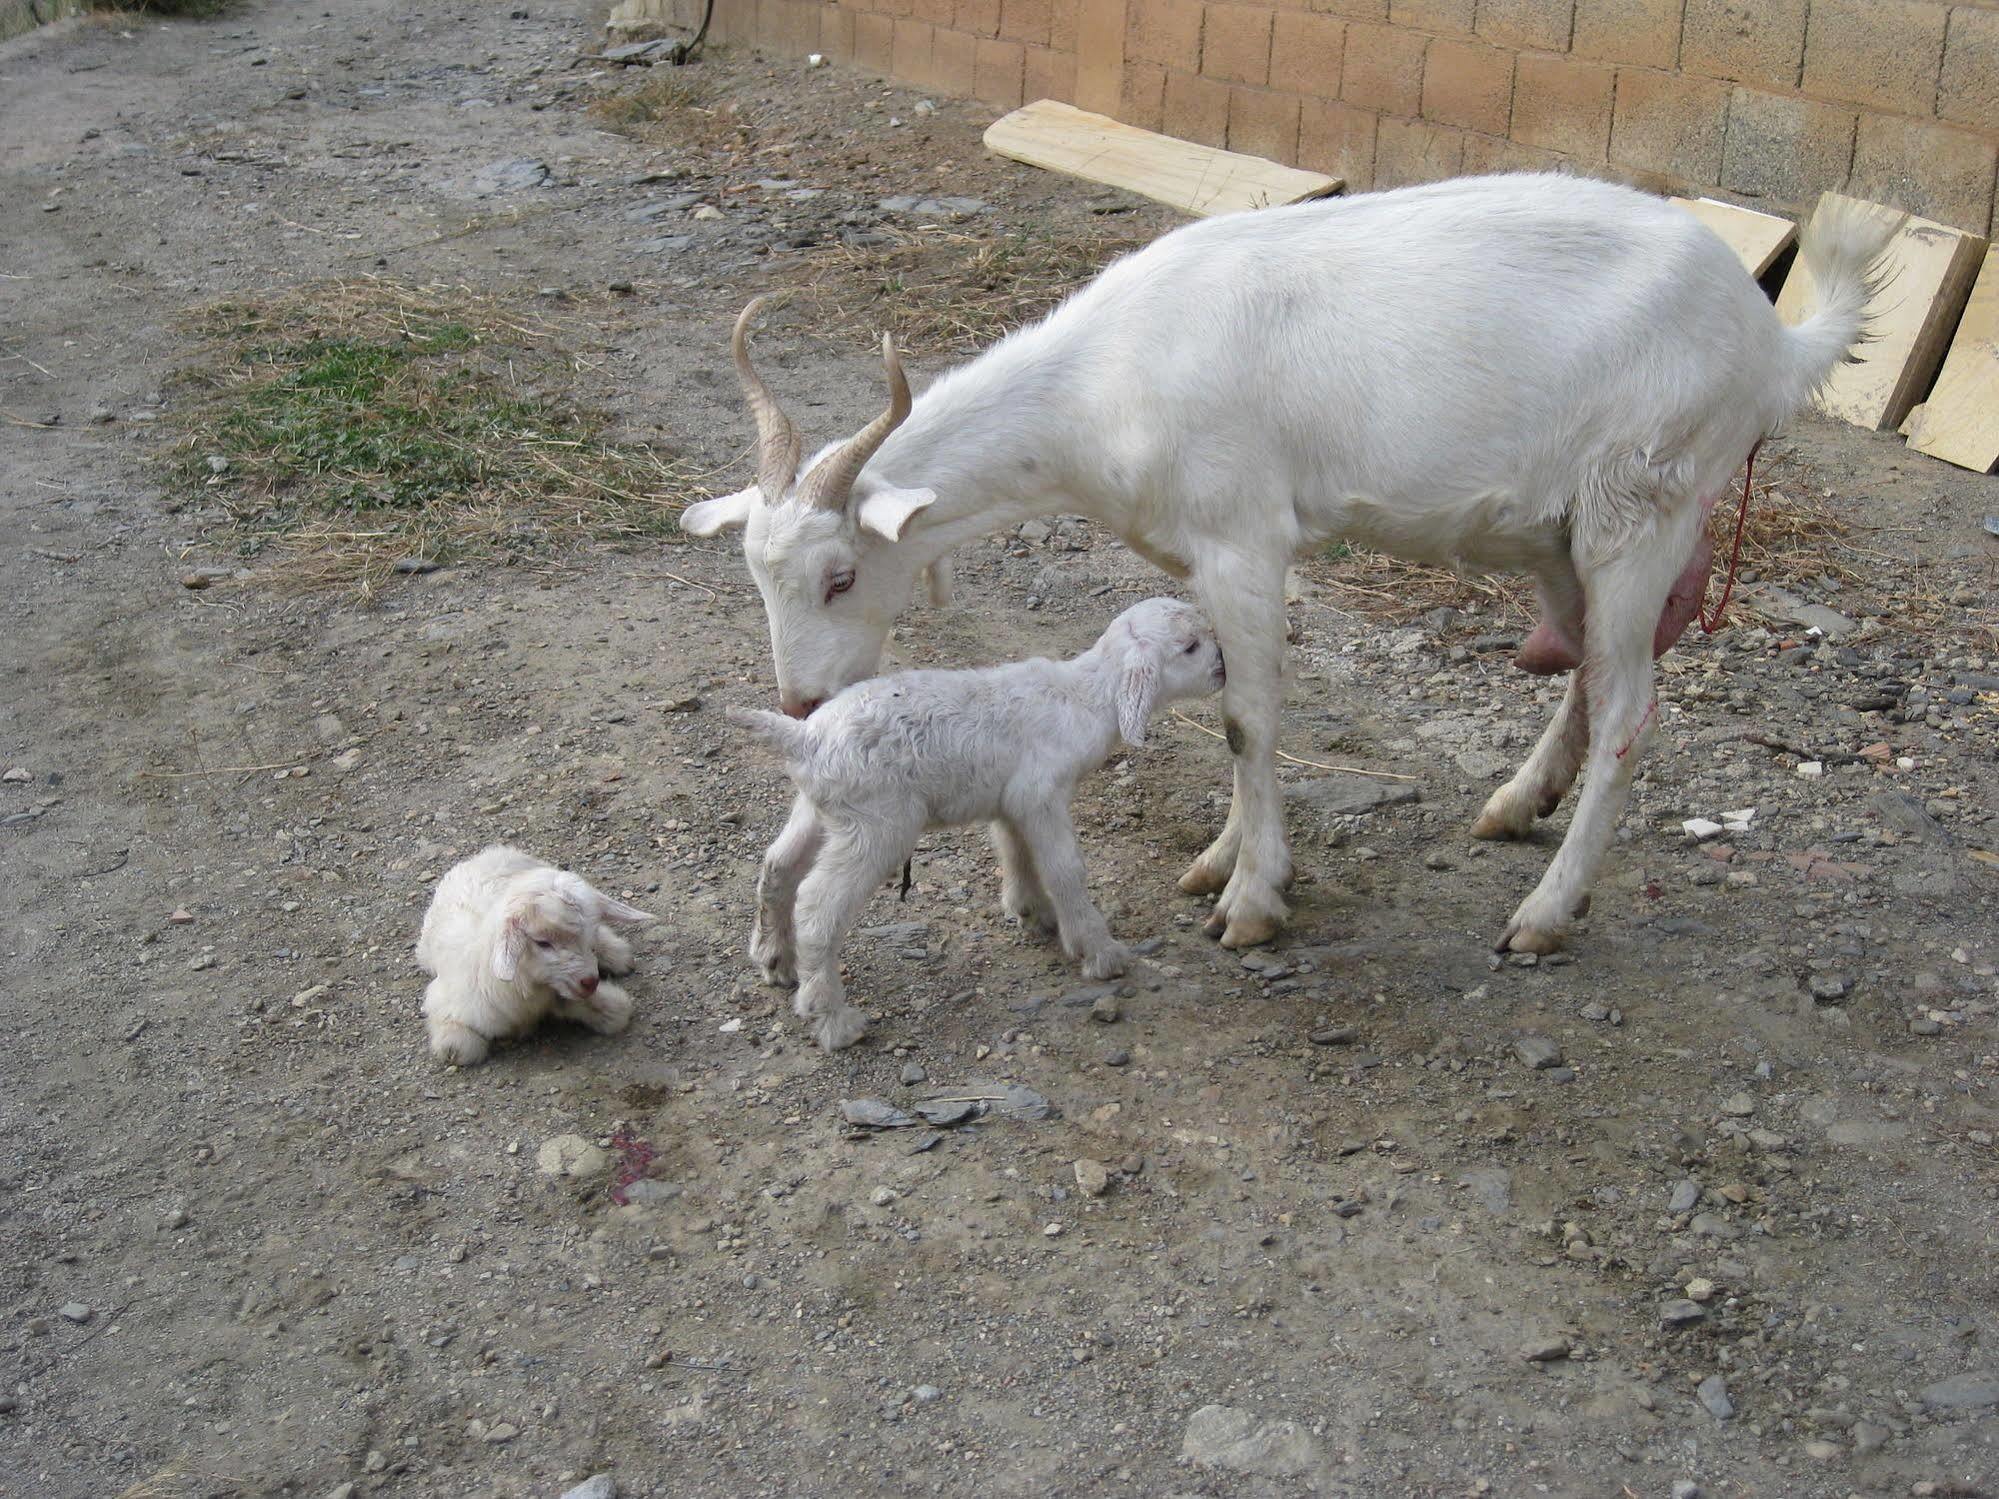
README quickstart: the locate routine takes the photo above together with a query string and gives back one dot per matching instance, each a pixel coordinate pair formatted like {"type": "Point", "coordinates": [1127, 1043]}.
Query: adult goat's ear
{"type": "Point", "coordinates": [723, 513]}
{"type": "Point", "coordinates": [1137, 691]}
{"type": "Point", "coordinates": [509, 949]}
{"type": "Point", "coordinates": [887, 511]}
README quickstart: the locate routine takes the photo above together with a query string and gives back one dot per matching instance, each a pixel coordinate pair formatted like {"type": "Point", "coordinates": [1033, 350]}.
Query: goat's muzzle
{"type": "Point", "coordinates": [802, 708]}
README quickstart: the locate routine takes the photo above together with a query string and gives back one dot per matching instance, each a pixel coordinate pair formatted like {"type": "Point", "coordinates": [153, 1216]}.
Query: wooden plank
{"type": "Point", "coordinates": [1200, 180]}
{"type": "Point", "coordinates": [1756, 238]}
{"type": "Point", "coordinates": [1928, 275]}
{"type": "Point", "coordinates": [1960, 423]}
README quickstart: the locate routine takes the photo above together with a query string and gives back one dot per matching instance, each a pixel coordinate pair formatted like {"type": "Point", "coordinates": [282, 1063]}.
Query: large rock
{"type": "Point", "coordinates": [571, 1155]}
{"type": "Point", "coordinates": [1963, 1392]}
{"type": "Point", "coordinates": [1223, 1436]}
{"type": "Point", "coordinates": [1343, 796]}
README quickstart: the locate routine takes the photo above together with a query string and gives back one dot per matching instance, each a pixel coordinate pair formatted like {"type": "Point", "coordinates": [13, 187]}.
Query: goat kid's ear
{"type": "Point", "coordinates": [723, 513]}
{"type": "Point", "coordinates": [615, 911]}
{"type": "Point", "coordinates": [937, 580]}
{"type": "Point", "coordinates": [1137, 691]}
{"type": "Point", "coordinates": [510, 949]}
{"type": "Point", "coordinates": [887, 511]}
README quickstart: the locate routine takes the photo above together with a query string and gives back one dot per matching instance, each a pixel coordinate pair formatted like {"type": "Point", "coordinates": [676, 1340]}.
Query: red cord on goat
{"type": "Point", "coordinates": [1712, 622]}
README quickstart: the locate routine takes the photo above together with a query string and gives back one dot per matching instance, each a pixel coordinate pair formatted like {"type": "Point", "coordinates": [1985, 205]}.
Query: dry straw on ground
{"type": "Point", "coordinates": [353, 427]}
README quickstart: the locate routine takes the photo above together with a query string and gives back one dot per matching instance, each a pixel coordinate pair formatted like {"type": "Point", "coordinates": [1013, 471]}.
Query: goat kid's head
{"type": "Point", "coordinates": [548, 931]}
{"type": "Point", "coordinates": [1164, 652]}
{"type": "Point", "coordinates": [827, 553]}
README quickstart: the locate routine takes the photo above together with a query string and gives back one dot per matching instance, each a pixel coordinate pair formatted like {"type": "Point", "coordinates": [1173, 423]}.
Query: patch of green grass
{"type": "Point", "coordinates": [348, 427]}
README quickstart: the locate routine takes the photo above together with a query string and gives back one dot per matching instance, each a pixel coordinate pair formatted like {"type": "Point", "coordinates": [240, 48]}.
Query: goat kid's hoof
{"type": "Point", "coordinates": [457, 1046]}
{"type": "Point", "coordinates": [839, 1030]}
{"type": "Point", "coordinates": [606, 1012]}
{"type": "Point", "coordinates": [616, 966]}
{"type": "Point", "coordinates": [1202, 880]}
{"type": "Point", "coordinates": [1107, 962]}
{"type": "Point", "coordinates": [779, 973]}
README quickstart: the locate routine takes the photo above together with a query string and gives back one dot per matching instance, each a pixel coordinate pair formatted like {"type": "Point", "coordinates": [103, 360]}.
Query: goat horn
{"type": "Point", "coordinates": [828, 485]}
{"type": "Point", "coordinates": [777, 439]}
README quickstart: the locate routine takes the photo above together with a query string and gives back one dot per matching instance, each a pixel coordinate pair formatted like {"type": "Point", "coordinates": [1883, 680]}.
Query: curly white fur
{"type": "Point", "coordinates": [890, 757]}
{"type": "Point", "coordinates": [511, 940]}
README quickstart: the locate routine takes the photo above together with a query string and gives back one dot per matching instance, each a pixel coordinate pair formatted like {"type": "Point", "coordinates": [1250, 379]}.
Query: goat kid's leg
{"type": "Point", "coordinates": [614, 953]}
{"type": "Point", "coordinates": [773, 940]}
{"type": "Point", "coordinates": [854, 859]}
{"type": "Point", "coordinates": [1538, 787]}
{"type": "Point", "coordinates": [1021, 895]}
{"type": "Point", "coordinates": [607, 1011]}
{"type": "Point", "coordinates": [1244, 597]}
{"type": "Point", "coordinates": [1086, 937]}
{"type": "Point", "coordinates": [1625, 595]}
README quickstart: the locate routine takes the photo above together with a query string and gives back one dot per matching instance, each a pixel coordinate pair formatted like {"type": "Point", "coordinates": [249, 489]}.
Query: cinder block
{"type": "Point", "coordinates": [1563, 105]}
{"type": "Point", "coordinates": [1062, 21]}
{"type": "Point", "coordinates": [1661, 123]}
{"type": "Point", "coordinates": [1165, 32]}
{"type": "Point", "coordinates": [1264, 124]}
{"type": "Point", "coordinates": [1142, 95]}
{"type": "Point", "coordinates": [1646, 32]}
{"type": "Point", "coordinates": [1450, 16]}
{"type": "Point", "coordinates": [1025, 21]}
{"type": "Point", "coordinates": [910, 56]}
{"type": "Point", "coordinates": [978, 17]}
{"type": "Point", "coordinates": [1468, 84]}
{"type": "Point", "coordinates": [895, 8]}
{"type": "Point", "coordinates": [1305, 53]}
{"type": "Point", "coordinates": [1407, 151]}
{"type": "Point", "coordinates": [1745, 41]}
{"type": "Point", "coordinates": [1969, 90]}
{"type": "Point", "coordinates": [1488, 153]}
{"type": "Point", "coordinates": [1935, 171]}
{"type": "Point", "coordinates": [1383, 69]}
{"type": "Point", "coordinates": [1542, 25]}
{"type": "Point", "coordinates": [874, 41]}
{"type": "Point", "coordinates": [996, 72]}
{"type": "Point", "coordinates": [1339, 140]}
{"type": "Point", "coordinates": [936, 12]}
{"type": "Point", "coordinates": [954, 62]}
{"type": "Point", "coordinates": [1048, 74]}
{"type": "Point", "coordinates": [1785, 148]}
{"type": "Point", "coordinates": [1235, 43]}
{"type": "Point", "coordinates": [1350, 10]}
{"type": "Point", "coordinates": [1197, 109]}
{"type": "Point", "coordinates": [1884, 53]}
{"type": "Point", "coordinates": [836, 33]}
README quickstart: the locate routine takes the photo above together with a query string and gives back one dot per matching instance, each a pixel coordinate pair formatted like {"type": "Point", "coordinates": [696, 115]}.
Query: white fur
{"type": "Point", "coordinates": [1538, 374]}
{"type": "Point", "coordinates": [511, 940]}
{"type": "Point", "coordinates": [888, 758]}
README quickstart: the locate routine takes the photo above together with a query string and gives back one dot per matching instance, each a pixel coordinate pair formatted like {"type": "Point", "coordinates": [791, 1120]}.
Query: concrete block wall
{"type": "Point", "coordinates": [1767, 102]}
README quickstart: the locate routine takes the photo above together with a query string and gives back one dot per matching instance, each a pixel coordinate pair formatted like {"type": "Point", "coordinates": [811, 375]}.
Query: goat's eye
{"type": "Point", "coordinates": [1192, 646]}
{"type": "Point", "coordinates": [543, 945]}
{"type": "Point", "coordinates": [840, 582]}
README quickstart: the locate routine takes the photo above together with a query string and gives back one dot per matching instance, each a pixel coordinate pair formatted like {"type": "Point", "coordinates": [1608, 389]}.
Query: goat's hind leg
{"type": "Point", "coordinates": [1625, 593]}
{"type": "Point", "coordinates": [1538, 787]}
{"type": "Point", "coordinates": [773, 940]}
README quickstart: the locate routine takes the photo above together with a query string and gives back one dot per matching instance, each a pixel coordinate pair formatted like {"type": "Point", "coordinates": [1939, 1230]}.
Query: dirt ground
{"type": "Point", "coordinates": [1734, 1235]}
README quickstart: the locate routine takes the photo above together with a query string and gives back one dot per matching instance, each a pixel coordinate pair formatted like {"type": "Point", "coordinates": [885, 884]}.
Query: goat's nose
{"type": "Point", "coordinates": [588, 984]}
{"type": "Point", "coordinates": [803, 707]}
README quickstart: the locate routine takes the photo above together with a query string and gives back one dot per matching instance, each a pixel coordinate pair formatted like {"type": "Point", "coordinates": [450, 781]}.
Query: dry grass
{"type": "Point", "coordinates": [946, 291]}
{"type": "Point", "coordinates": [677, 108]}
{"type": "Point", "coordinates": [351, 426]}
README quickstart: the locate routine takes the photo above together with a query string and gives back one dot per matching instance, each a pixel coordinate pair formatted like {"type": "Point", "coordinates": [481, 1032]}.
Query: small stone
{"type": "Point", "coordinates": [1093, 1178]}
{"type": "Point", "coordinates": [1439, 860]}
{"type": "Point", "coordinates": [1680, 1314]}
{"type": "Point", "coordinates": [496, 1435]}
{"type": "Point", "coordinates": [1105, 1010]}
{"type": "Point", "coordinates": [1686, 1488]}
{"type": "Point", "coordinates": [1829, 988]}
{"type": "Point", "coordinates": [707, 213]}
{"type": "Point", "coordinates": [1713, 1396]}
{"type": "Point", "coordinates": [1700, 1290]}
{"type": "Point", "coordinates": [881, 1197]}
{"type": "Point", "coordinates": [1537, 1052]}
{"type": "Point", "coordinates": [1820, 1450]}
{"type": "Point", "coordinates": [596, 1486]}
{"type": "Point", "coordinates": [1595, 1012]}
{"type": "Point", "coordinates": [341, 1491]}
{"type": "Point", "coordinates": [374, 1462]}
{"type": "Point", "coordinates": [1544, 1350]}
{"type": "Point", "coordinates": [1961, 1392]}
{"type": "Point", "coordinates": [1334, 1035]}
{"type": "Point", "coordinates": [926, 1394]}
{"type": "Point", "coordinates": [687, 704]}
{"type": "Point", "coordinates": [1869, 1437]}
{"type": "Point", "coordinates": [1117, 1056]}
{"type": "Point", "coordinates": [1922, 1025]}
{"type": "Point", "coordinates": [175, 1218]}
{"type": "Point", "coordinates": [1685, 1195]}
{"type": "Point", "coordinates": [74, 1311]}
{"type": "Point", "coordinates": [18, 774]}
{"type": "Point", "coordinates": [1053, 1231]}
{"type": "Point", "coordinates": [1738, 1106]}
{"type": "Point", "coordinates": [414, 566]}
{"type": "Point", "coordinates": [913, 1073]}
{"type": "Point", "coordinates": [1810, 770]}
{"type": "Point", "coordinates": [572, 1156]}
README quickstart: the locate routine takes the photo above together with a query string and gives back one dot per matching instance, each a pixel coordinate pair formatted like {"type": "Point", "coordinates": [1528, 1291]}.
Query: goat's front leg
{"type": "Point", "coordinates": [855, 857]}
{"type": "Point", "coordinates": [773, 942]}
{"type": "Point", "coordinates": [1251, 861]}
{"type": "Point", "coordinates": [614, 953]}
{"type": "Point", "coordinates": [1021, 895]}
{"type": "Point", "coordinates": [608, 1009]}
{"type": "Point", "coordinates": [1058, 859]}
{"type": "Point", "coordinates": [1625, 594]}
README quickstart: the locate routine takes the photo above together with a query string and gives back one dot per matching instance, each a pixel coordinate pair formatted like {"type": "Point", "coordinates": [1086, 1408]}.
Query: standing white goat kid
{"type": "Point", "coordinates": [1535, 374]}
{"type": "Point", "coordinates": [511, 939]}
{"type": "Point", "coordinates": [890, 757]}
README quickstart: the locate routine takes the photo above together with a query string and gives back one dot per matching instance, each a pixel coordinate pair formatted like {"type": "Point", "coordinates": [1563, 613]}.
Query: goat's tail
{"type": "Point", "coordinates": [791, 737]}
{"type": "Point", "coordinates": [1842, 247]}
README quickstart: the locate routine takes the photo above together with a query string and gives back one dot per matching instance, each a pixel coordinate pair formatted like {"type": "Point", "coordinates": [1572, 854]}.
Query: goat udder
{"type": "Point", "coordinates": [1549, 650]}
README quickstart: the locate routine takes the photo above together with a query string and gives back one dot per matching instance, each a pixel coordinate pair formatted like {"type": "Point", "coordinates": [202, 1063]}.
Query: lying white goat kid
{"type": "Point", "coordinates": [886, 759]}
{"type": "Point", "coordinates": [512, 940]}
{"type": "Point", "coordinates": [1537, 374]}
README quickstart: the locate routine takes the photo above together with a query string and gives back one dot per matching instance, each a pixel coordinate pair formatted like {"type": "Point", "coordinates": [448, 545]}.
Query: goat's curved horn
{"type": "Point", "coordinates": [777, 439]}
{"type": "Point", "coordinates": [827, 486]}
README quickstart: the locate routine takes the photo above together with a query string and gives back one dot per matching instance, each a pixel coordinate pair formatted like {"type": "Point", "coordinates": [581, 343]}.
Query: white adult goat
{"type": "Point", "coordinates": [1538, 374]}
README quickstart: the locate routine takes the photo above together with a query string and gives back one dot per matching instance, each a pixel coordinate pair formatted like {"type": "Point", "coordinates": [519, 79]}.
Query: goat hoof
{"type": "Point", "coordinates": [457, 1045]}
{"type": "Point", "coordinates": [1534, 939]}
{"type": "Point", "coordinates": [1250, 931]}
{"type": "Point", "coordinates": [1500, 824]}
{"type": "Point", "coordinates": [1107, 962]}
{"type": "Point", "coordinates": [1201, 880]}
{"type": "Point", "coordinates": [840, 1029]}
